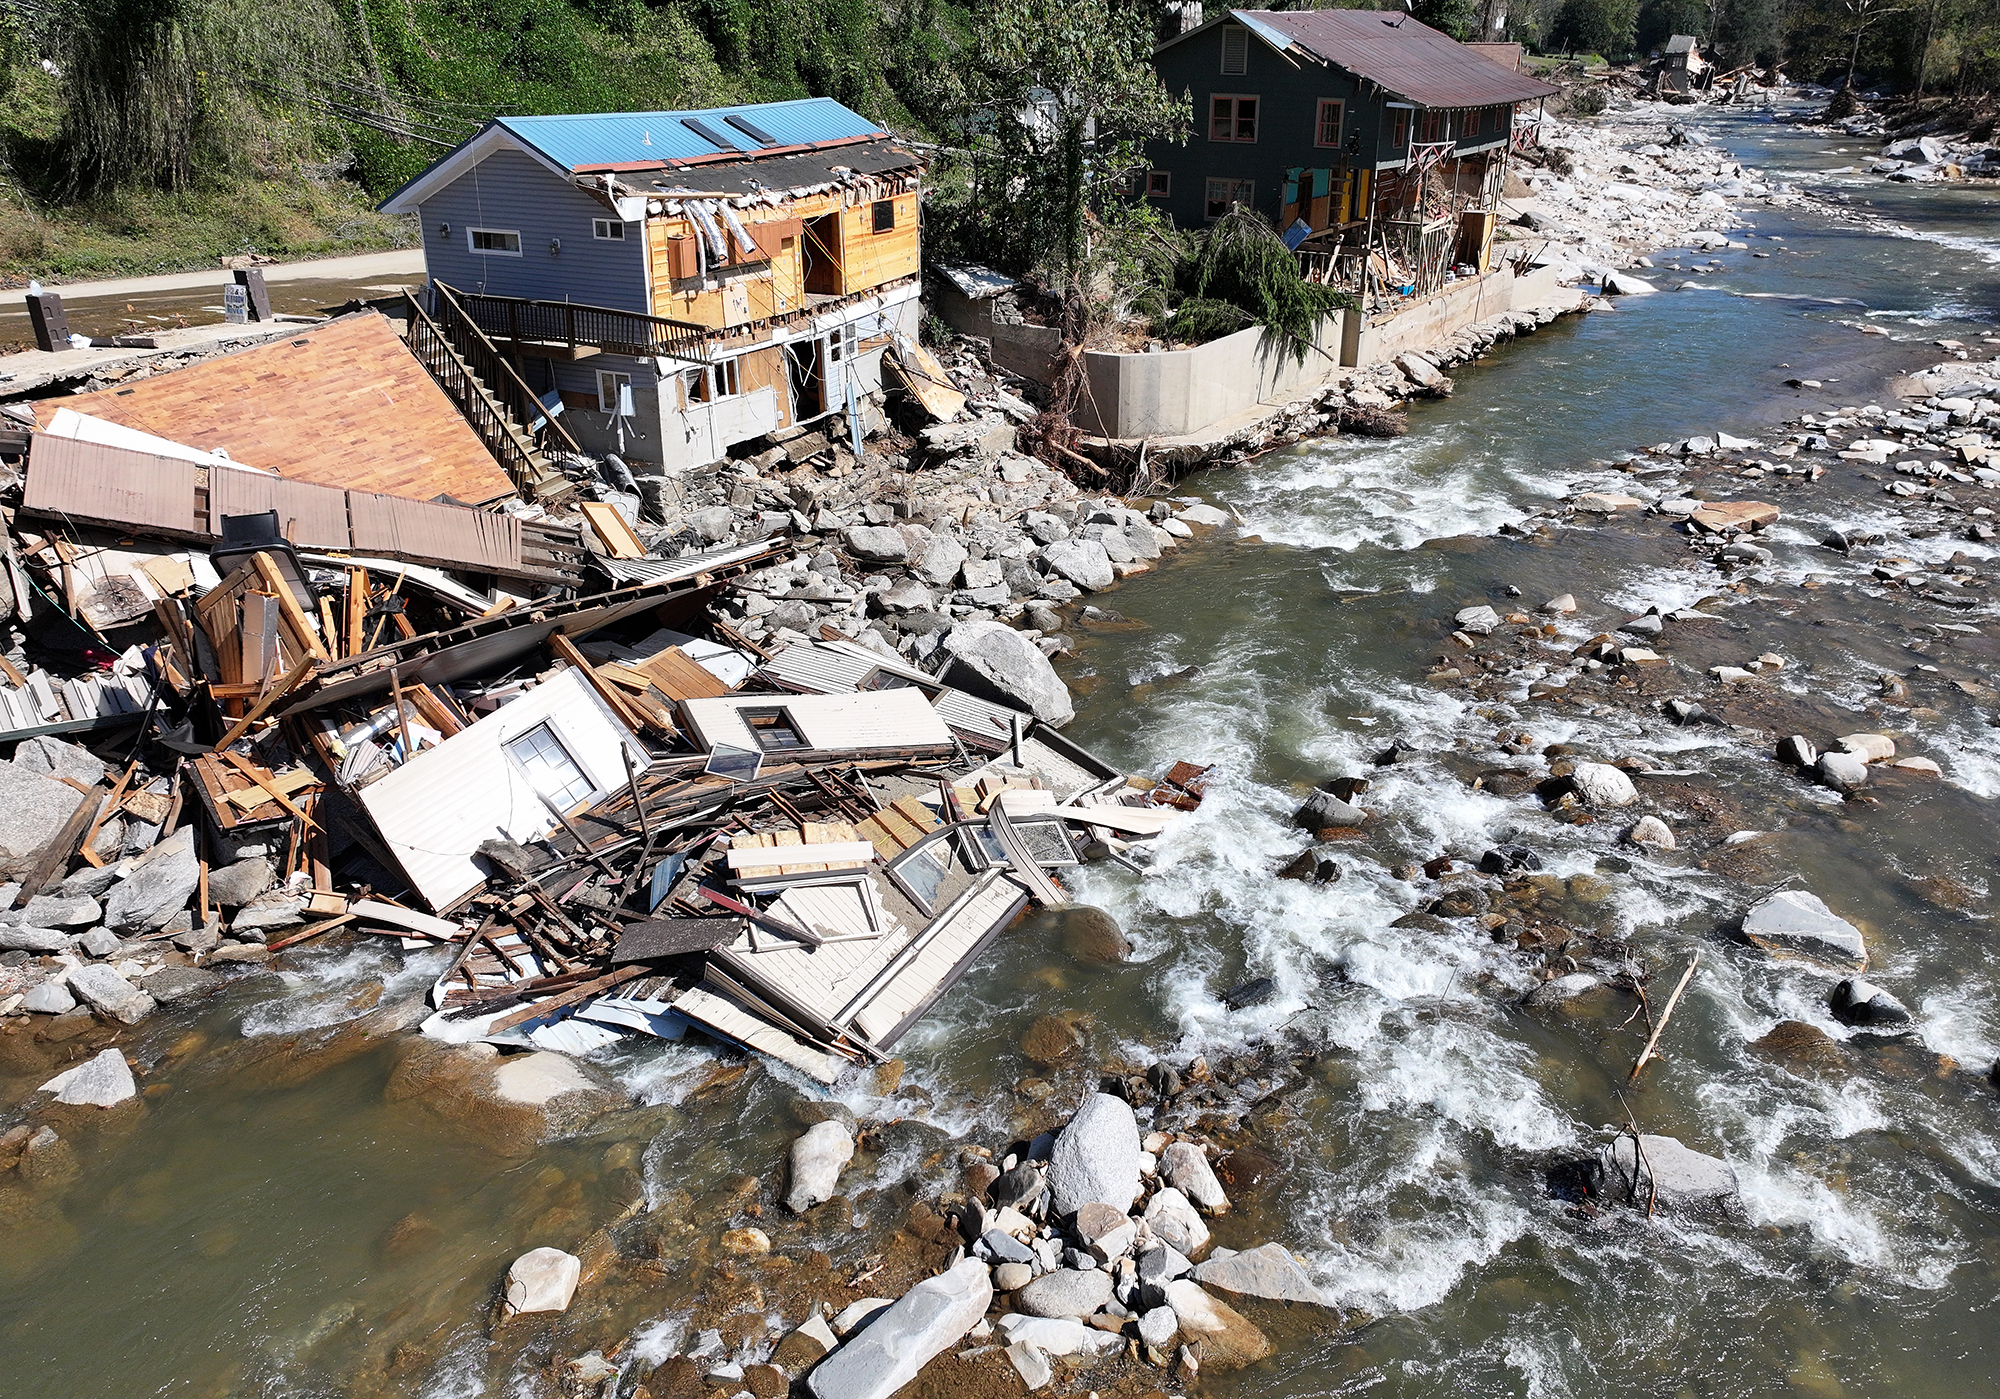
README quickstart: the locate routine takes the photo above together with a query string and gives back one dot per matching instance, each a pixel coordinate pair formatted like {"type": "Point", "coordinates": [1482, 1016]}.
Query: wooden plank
{"type": "Point", "coordinates": [287, 782]}
{"type": "Point", "coordinates": [304, 628]}
{"type": "Point", "coordinates": [564, 648]}
{"type": "Point", "coordinates": [886, 846]}
{"type": "Point", "coordinates": [267, 781]}
{"type": "Point", "coordinates": [271, 697]}
{"type": "Point", "coordinates": [808, 856]}
{"type": "Point", "coordinates": [357, 608]}
{"type": "Point", "coordinates": [568, 998]}
{"type": "Point", "coordinates": [916, 813]}
{"type": "Point", "coordinates": [611, 530]}
{"type": "Point", "coordinates": [375, 911]}
{"type": "Point", "coordinates": [679, 676]}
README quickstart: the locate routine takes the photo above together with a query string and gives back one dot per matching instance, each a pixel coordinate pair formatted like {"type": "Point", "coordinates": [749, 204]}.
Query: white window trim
{"type": "Point", "coordinates": [608, 230]}
{"type": "Point", "coordinates": [473, 248]}
{"type": "Point", "coordinates": [615, 376]}
{"type": "Point", "coordinates": [562, 739]}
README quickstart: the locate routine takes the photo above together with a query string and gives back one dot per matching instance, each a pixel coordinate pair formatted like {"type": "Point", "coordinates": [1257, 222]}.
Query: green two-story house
{"type": "Point", "coordinates": [1355, 131]}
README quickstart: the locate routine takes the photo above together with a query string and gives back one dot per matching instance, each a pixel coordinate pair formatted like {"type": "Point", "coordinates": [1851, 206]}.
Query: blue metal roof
{"type": "Point", "coordinates": [623, 138]}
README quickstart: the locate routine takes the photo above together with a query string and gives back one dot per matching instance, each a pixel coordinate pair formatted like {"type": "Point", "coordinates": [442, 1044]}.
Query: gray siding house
{"type": "Point", "coordinates": [676, 283]}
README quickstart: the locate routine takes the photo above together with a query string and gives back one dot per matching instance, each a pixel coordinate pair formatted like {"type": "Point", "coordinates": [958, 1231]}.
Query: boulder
{"type": "Point", "coordinates": [1003, 1248]}
{"type": "Point", "coordinates": [1625, 284]}
{"type": "Point", "coordinates": [110, 994]}
{"type": "Point", "coordinates": [1663, 1171]}
{"type": "Point", "coordinates": [1651, 830]}
{"type": "Point", "coordinates": [42, 940]}
{"type": "Point", "coordinates": [1206, 515]}
{"type": "Point", "coordinates": [1420, 370]}
{"type": "Point", "coordinates": [100, 1082]}
{"type": "Point", "coordinates": [1158, 1328]}
{"type": "Point", "coordinates": [1600, 784]}
{"type": "Point", "coordinates": [1092, 935]}
{"type": "Point", "coordinates": [1863, 1003]}
{"type": "Point", "coordinates": [1018, 1188]}
{"type": "Point", "coordinates": [1268, 1271]}
{"type": "Point", "coordinates": [713, 524]}
{"type": "Point", "coordinates": [1031, 1363]}
{"type": "Point", "coordinates": [1228, 1340]}
{"type": "Point", "coordinates": [1096, 1157]}
{"type": "Point", "coordinates": [1175, 1222]}
{"type": "Point", "coordinates": [941, 561]}
{"type": "Point", "coordinates": [1478, 621]}
{"type": "Point", "coordinates": [930, 1317]}
{"type": "Point", "coordinates": [235, 885]}
{"type": "Point", "coordinates": [51, 757]}
{"type": "Point", "coordinates": [1323, 810]}
{"type": "Point", "coordinates": [1843, 772]}
{"type": "Point", "coordinates": [170, 985]}
{"type": "Point", "coordinates": [156, 888]}
{"type": "Point", "coordinates": [1558, 992]}
{"type": "Point", "coordinates": [1315, 865]}
{"type": "Point", "coordinates": [542, 1280]}
{"type": "Point", "coordinates": [856, 1315]}
{"type": "Point", "coordinates": [1051, 1335]}
{"type": "Point", "coordinates": [1559, 606]}
{"type": "Point", "coordinates": [1798, 751]}
{"type": "Point", "coordinates": [1161, 1264]}
{"type": "Point", "coordinates": [99, 942]}
{"type": "Point", "coordinates": [1794, 922]}
{"type": "Point", "coordinates": [993, 660]}
{"type": "Point", "coordinates": [1870, 748]}
{"type": "Point", "coordinates": [876, 543]}
{"type": "Point", "coordinates": [1049, 1040]}
{"type": "Point", "coordinates": [61, 911]}
{"type": "Point", "coordinates": [1083, 562]}
{"type": "Point", "coordinates": [1184, 1166]}
{"type": "Point", "coordinates": [1718, 516]}
{"type": "Point", "coordinates": [817, 1159]}
{"type": "Point", "coordinates": [49, 997]}
{"type": "Point", "coordinates": [33, 807]}
{"type": "Point", "coordinates": [1065, 1292]}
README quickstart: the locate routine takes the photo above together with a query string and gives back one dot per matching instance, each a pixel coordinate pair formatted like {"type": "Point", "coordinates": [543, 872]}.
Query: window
{"type": "Point", "coordinates": [550, 768]}
{"type": "Point", "coordinates": [1159, 184]}
{"type": "Point", "coordinates": [1433, 126]}
{"type": "Point", "coordinates": [1399, 128]}
{"type": "Point", "coordinates": [723, 380]}
{"type": "Point", "coordinates": [842, 345]}
{"type": "Point", "coordinates": [1327, 132]}
{"type": "Point", "coordinates": [1223, 193]}
{"type": "Point", "coordinates": [504, 242]}
{"type": "Point", "coordinates": [772, 728]}
{"type": "Point", "coordinates": [614, 392]}
{"type": "Point", "coordinates": [1232, 118]}
{"type": "Point", "coordinates": [885, 215]}
{"type": "Point", "coordinates": [607, 230]}
{"type": "Point", "coordinates": [1235, 50]}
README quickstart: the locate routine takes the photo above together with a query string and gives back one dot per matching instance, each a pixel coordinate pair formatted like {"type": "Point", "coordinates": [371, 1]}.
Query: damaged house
{"type": "Point", "coordinates": [674, 283]}
{"type": "Point", "coordinates": [1378, 145]}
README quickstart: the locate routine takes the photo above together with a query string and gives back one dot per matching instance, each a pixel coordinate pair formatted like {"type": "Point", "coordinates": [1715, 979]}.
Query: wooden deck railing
{"type": "Point", "coordinates": [597, 327]}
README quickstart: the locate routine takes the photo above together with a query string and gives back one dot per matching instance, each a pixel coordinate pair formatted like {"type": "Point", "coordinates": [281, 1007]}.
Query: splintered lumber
{"type": "Point", "coordinates": [566, 998]}
{"type": "Point", "coordinates": [311, 932]}
{"type": "Point", "coordinates": [609, 526]}
{"type": "Point", "coordinates": [55, 855]}
{"type": "Point", "coordinates": [304, 629]}
{"type": "Point", "coordinates": [1666, 1014]}
{"type": "Point", "coordinates": [264, 779]}
{"type": "Point", "coordinates": [679, 676]}
{"type": "Point", "coordinates": [1132, 820]}
{"type": "Point", "coordinates": [285, 783]}
{"type": "Point", "coordinates": [823, 856]}
{"type": "Point", "coordinates": [565, 649]}
{"type": "Point", "coordinates": [299, 675]}
{"type": "Point", "coordinates": [357, 608]}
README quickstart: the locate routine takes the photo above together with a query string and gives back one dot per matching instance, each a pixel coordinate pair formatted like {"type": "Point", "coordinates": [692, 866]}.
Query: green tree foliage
{"type": "Point", "coordinates": [1053, 101]}
{"type": "Point", "coordinates": [1458, 18]}
{"type": "Point", "coordinates": [1242, 263]}
{"type": "Point", "coordinates": [1660, 20]}
{"type": "Point", "coordinates": [1603, 27]}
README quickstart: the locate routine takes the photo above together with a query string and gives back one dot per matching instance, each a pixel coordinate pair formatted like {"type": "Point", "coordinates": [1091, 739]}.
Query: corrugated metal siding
{"type": "Point", "coordinates": [512, 191]}
{"type": "Point", "coordinates": [835, 667]}
{"type": "Point", "coordinates": [434, 811]}
{"type": "Point", "coordinates": [93, 482]}
{"type": "Point", "coordinates": [614, 138]}
{"type": "Point", "coordinates": [1401, 54]}
{"type": "Point", "coordinates": [312, 517]}
{"type": "Point", "coordinates": [449, 534]}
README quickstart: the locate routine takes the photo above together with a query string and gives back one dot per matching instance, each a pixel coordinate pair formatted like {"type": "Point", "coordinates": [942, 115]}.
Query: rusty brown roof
{"type": "Point", "coordinates": [1399, 53]}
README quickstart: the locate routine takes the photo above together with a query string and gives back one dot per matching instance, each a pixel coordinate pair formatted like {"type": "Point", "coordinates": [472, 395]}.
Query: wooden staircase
{"type": "Point", "coordinates": [490, 395]}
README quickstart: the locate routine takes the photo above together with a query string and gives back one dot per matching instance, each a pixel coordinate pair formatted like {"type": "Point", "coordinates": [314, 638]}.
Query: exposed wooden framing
{"type": "Point", "coordinates": [284, 687]}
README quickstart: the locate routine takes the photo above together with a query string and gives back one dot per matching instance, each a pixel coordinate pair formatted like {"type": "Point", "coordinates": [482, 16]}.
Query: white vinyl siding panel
{"type": "Point", "coordinates": [879, 719]}
{"type": "Point", "coordinates": [434, 811]}
{"type": "Point", "coordinates": [824, 667]}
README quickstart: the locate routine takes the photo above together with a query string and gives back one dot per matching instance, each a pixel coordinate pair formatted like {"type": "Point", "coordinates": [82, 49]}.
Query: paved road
{"type": "Point", "coordinates": [405, 262]}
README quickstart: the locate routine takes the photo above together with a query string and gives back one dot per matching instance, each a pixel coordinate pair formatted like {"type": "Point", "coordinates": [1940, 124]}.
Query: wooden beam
{"type": "Point", "coordinates": [305, 632]}
{"type": "Point", "coordinates": [299, 675]}
{"type": "Point", "coordinates": [269, 784]}
{"type": "Point", "coordinates": [56, 853]}
{"type": "Point", "coordinates": [567, 998]}
{"type": "Point", "coordinates": [566, 650]}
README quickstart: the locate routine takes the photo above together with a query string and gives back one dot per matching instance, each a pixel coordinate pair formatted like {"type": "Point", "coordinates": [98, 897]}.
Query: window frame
{"type": "Point", "coordinates": [1339, 106]}
{"type": "Point", "coordinates": [875, 215]}
{"type": "Point", "coordinates": [619, 380]}
{"type": "Point", "coordinates": [1209, 200]}
{"type": "Point", "coordinates": [1399, 125]}
{"type": "Point", "coordinates": [608, 230]}
{"type": "Point", "coordinates": [1235, 118]}
{"type": "Point", "coordinates": [1433, 126]}
{"type": "Point", "coordinates": [778, 718]}
{"type": "Point", "coordinates": [561, 801]}
{"type": "Point", "coordinates": [1159, 184]}
{"type": "Point", "coordinates": [1236, 35]}
{"type": "Point", "coordinates": [715, 382]}
{"type": "Point", "coordinates": [472, 243]}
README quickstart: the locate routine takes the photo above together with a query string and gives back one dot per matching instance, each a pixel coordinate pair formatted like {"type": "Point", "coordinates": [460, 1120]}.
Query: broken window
{"type": "Point", "coordinates": [1232, 118]}
{"type": "Point", "coordinates": [722, 380]}
{"type": "Point", "coordinates": [614, 392]}
{"type": "Point", "coordinates": [772, 728]}
{"type": "Point", "coordinates": [885, 215]}
{"type": "Point", "coordinates": [607, 230]}
{"type": "Point", "coordinates": [550, 768]}
{"type": "Point", "coordinates": [1328, 129]}
{"type": "Point", "coordinates": [502, 241]}
{"type": "Point", "coordinates": [1235, 49]}
{"type": "Point", "coordinates": [1223, 193]}
{"type": "Point", "coordinates": [1159, 184]}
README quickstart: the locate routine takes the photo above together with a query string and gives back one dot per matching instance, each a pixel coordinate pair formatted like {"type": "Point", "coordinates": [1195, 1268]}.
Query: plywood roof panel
{"type": "Point", "coordinates": [340, 404]}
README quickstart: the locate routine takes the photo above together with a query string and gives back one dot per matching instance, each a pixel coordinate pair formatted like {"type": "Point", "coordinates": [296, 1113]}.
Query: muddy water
{"type": "Point", "coordinates": [274, 1223]}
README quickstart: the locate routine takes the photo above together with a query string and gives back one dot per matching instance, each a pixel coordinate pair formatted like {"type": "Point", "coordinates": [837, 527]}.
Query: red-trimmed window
{"type": "Point", "coordinates": [1232, 118]}
{"type": "Point", "coordinates": [1159, 184]}
{"type": "Point", "coordinates": [1326, 130]}
{"type": "Point", "coordinates": [1399, 128]}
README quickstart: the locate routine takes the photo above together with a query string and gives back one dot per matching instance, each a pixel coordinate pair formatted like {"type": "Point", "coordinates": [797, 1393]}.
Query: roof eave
{"type": "Point", "coordinates": [482, 143]}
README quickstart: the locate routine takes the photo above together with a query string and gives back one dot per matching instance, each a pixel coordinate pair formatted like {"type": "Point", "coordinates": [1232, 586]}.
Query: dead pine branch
{"type": "Point", "coordinates": [1666, 1014]}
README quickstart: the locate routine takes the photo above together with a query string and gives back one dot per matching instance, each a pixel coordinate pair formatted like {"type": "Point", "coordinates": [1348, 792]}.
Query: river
{"type": "Point", "coordinates": [261, 1230]}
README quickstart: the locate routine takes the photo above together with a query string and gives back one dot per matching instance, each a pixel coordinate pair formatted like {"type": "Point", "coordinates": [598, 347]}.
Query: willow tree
{"type": "Point", "coordinates": [151, 87]}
